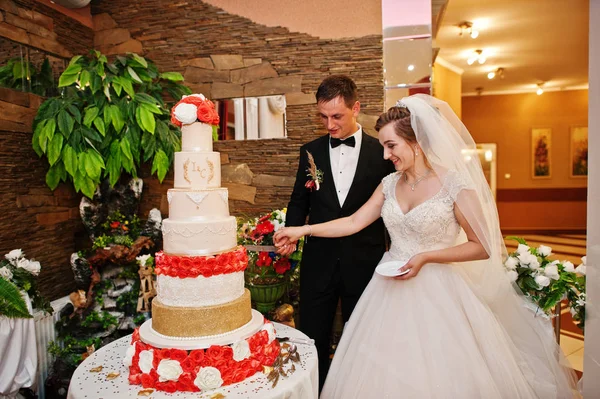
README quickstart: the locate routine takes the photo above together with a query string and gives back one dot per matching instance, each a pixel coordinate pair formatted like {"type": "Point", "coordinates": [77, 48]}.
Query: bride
{"type": "Point", "coordinates": [452, 326]}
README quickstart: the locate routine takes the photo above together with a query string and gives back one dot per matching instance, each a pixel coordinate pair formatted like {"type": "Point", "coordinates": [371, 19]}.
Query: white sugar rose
{"type": "Point", "coordinates": [542, 281]}
{"type": "Point", "coordinates": [30, 266]}
{"type": "Point", "coordinates": [270, 330]}
{"type": "Point", "coordinates": [146, 359]}
{"type": "Point", "coordinates": [512, 275]}
{"type": "Point", "coordinates": [522, 249]}
{"type": "Point", "coordinates": [186, 113]}
{"type": "Point", "coordinates": [208, 378]}
{"type": "Point", "coordinates": [241, 350]}
{"type": "Point", "coordinates": [544, 250]}
{"type": "Point", "coordinates": [128, 360]}
{"type": "Point", "coordinates": [6, 273]}
{"type": "Point", "coordinates": [569, 267]}
{"type": "Point", "coordinates": [580, 269]}
{"type": "Point", "coordinates": [169, 370]}
{"type": "Point", "coordinates": [200, 95]}
{"type": "Point", "coordinates": [14, 255]}
{"type": "Point", "coordinates": [551, 271]}
{"type": "Point", "coordinates": [511, 263]}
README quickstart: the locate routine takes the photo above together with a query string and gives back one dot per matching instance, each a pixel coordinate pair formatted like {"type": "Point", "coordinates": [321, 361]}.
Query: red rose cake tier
{"type": "Point", "coordinates": [203, 333]}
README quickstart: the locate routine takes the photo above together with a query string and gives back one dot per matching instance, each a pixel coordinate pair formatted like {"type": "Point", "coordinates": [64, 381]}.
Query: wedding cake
{"type": "Point", "coordinates": [203, 333]}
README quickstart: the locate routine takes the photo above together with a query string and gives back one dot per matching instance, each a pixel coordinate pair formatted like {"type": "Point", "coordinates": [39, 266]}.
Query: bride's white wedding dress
{"type": "Point", "coordinates": [431, 336]}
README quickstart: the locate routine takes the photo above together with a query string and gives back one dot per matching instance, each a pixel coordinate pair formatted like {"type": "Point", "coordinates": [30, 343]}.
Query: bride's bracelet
{"type": "Point", "coordinates": [309, 230]}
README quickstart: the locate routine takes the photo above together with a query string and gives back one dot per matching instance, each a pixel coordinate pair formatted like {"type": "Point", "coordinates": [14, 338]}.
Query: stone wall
{"type": "Point", "coordinates": [172, 34]}
{"type": "Point", "coordinates": [43, 223]}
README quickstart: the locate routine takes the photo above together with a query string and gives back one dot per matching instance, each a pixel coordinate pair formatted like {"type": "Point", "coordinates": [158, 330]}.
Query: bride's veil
{"type": "Point", "coordinates": [447, 144]}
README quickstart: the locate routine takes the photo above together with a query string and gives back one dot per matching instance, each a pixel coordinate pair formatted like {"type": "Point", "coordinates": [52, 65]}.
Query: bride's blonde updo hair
{"type": "Point", "coordinates": [400, 118]}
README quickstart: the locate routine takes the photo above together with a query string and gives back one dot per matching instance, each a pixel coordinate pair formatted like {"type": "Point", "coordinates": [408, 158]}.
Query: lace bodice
{"type": "Point", "coordinates": [430, 225]}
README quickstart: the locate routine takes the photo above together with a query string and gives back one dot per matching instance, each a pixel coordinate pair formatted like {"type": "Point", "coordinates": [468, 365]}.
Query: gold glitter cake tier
{"type": "Point", "coordinates": [201, 321]}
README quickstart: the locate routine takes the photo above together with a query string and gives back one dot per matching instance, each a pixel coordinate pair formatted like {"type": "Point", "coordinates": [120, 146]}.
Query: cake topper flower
{"type": "Point", "coordinates": [194, 108]}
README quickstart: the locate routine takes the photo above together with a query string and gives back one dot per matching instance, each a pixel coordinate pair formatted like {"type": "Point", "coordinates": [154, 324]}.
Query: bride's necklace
{"type": "Point", "coordinates": [414, 184]}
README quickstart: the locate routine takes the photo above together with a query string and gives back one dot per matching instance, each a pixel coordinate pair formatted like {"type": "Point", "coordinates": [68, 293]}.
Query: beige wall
{"type": "Point", "coordinates": [507, 121]}
{"type": "Point", "coordinates": [447, 86]}
{"type": "Point", "coordinates": [323, 19]}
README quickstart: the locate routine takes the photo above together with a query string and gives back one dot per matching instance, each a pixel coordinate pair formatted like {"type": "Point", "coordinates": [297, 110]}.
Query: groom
{"type": "Point", "coordinates": [337, 174]}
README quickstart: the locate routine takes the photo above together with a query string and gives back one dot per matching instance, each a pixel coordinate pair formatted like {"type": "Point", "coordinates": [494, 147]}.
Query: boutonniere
{"type": "Point", "coordinates": [316, 175]}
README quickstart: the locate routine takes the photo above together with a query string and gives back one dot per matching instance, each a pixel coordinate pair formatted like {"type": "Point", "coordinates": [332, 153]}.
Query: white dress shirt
{"type": "Point", "coordinates": [343, 165]}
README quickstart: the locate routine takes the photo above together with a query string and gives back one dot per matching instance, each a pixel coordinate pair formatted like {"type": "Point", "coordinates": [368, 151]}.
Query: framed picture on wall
{"type": "Point", "coordinates": [578, 151]}
{"type": "Point", "coordinates": [541, 145]}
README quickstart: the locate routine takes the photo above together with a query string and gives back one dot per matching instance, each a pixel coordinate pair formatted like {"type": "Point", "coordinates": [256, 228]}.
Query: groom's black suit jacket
{"type": "Point", "coordinates": [357, 254]}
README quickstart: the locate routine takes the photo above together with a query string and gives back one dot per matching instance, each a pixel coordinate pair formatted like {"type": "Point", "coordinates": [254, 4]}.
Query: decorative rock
{"type": "Point", "coordinates": [227, 62]}
{"type": "Point", "coordinates": [202, 88]}
{"type": "Point", "coordinates": [280, 85]}
{"type": "Point", "coordinates": [8, 5]}
{"type": "Point", "coordinates": [300, 98]}
{"type": "Point", "coordinates": [52, 218]}
{"type": "Point", "coordinates": [239, 173]}
{"type": "Point", "coordinates": [252, 61]}
{"type": "Point", "coordinates": [13, 33]}
{"type": "Point", "coordinates": [199, 75]}
{"type": "Point", "coordinates": [222, 90]}
{"type": "Point", "coordinates": [103, 22]}
{"type": "Point", "coordinates": [29, 26]}
{"type": "Point", "coordinates": [240, 192]}
{"type": "Point", "coordinates": [27, 201]}
{"type": "Point", "coordinates": [204, 63]}
{"type": "Point", "coordinates": [130, 46]}
{"type": "Point", "coordinates": [224, 158]}
{"type": "Point", "coordinates": [111, 37]}
{"type": "Point", "coordinates": [270, 180]}
{"type": "Point", "coordinates": [14, 97]}
{"type": "Point", "coordinates": [49, 45]}
{"type": "Point", "coordinates": [252, 73]}
{"type": "Point", "coordinates": [17, 113]}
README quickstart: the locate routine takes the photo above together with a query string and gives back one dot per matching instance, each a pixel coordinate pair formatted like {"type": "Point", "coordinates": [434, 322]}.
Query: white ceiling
{"type": "Point", "coordinates": [533, 40]}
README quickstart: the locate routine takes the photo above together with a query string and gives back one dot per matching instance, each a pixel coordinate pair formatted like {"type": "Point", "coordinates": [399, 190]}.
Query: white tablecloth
{"type": "Point", "coordinates": [303, 383]}
{"type": "Point", "coordinates": [18, 354]}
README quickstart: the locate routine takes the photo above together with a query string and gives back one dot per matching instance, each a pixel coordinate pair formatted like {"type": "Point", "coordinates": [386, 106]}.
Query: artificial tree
{"type": "Point", "coordinates": [110, 118]}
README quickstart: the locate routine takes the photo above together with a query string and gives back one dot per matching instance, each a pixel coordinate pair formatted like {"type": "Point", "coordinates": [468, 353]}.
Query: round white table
{"type": "Point", "coordinates": [303, 383]}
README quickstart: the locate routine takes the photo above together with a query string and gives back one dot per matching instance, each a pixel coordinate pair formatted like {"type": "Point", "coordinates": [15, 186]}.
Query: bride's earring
{"type": "Point", "coordinates": [416, 152]}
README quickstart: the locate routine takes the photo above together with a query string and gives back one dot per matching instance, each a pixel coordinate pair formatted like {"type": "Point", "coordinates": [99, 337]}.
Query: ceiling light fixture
{"type": "Point", "coordinates": [478, 55]}
{"type": "Point", "coordinates": [411, 67]}
{"type": "Point", "coordinates": [497, 73]}
{"type": "Point", "coordinates": [468, 26]}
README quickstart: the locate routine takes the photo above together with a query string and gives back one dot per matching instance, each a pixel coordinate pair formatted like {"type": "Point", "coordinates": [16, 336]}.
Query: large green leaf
{"type": "Point", "coordinates": [134, 75]}
{"type": "Point", "coordinates": [54, 174]}
{"type": "Point", "coordinates": [147, 119]}
{"type": "Point", "coordinates": [88, 187]}
{"type": "Point", "coordinates": [126, 149]}
{"type": "Point", "coordinates": [92, 167]}
{"type": "Point", "coordinates": [90, 114]}
{"type": "Point", "coordinates": [75, 112]}
{"type": "Point", "coordinates": [55, 148]}
{"type": "Point", "coordinates": [84, 78]}
{"type": "Point", "coordinates": [65, 123]}
{"type": "Point", "coordinates": [116, 118]}
{"type": "Point", "coordinates": [99, 124]}
{"type": "Point", "coordinates": [172, 76]}
{"type": "Point", "coordinates": [128, 86]}
{"type": "Point", "coordinates": [145, 98]}
{"type": "Point", "coordinates": [160, 165]}
{"type": "Point", "coordinates": [12, 304]}
{"type": "Point", "coordinates": [69, 158]}
{"type": "Point", "coordinates": [139, 59]}
{"type": "Point", "coordinates": [75, 59]}
{"type": "Point", "coordinates": [72, 69]}
{"type": "Point", "coordinates": [148, 145]}
{"type": "Point", "coordinates": [152, 108]}
{"type": "Point", "coordinates": [113, 164]}
{"type": "Point", "coordinates": [35, 140]}
{"type": "Point", "coordinates": [67, 80]}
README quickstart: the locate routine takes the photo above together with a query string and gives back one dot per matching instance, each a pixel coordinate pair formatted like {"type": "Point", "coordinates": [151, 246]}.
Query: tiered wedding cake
{"type": "Point", "coordinates": [203, 332]}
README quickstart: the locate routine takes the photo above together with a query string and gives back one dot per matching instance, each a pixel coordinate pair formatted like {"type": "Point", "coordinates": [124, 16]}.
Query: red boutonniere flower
{"type": "Point", "coordinates": [315, 175]}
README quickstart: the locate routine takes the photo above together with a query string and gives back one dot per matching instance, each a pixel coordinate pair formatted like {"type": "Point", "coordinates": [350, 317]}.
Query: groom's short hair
{"type": "Point", "coordinates": [335, 86]}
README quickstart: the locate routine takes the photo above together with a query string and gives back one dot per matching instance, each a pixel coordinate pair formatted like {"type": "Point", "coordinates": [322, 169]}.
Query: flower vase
{"type": "Point", "coordinates": [265, 296]}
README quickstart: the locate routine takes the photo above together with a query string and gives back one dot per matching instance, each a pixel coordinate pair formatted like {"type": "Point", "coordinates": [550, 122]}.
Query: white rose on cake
{"type": "Point", "coordinates": [6, 273]}
{"type": "Point", "coordinates": [186, 113]}
{"type": "Point", "coordinates": [268, 327]}
{"type": "Point", "coordinates": [551, 271]}
{"type": "Point", "coordinates": [32, 267]}
{"type": "Point", "coordinates": [241, 350]}
{"type": "Point", "coordinates": [129, 355]}
{"type": "Point", "coordinates": [169, 370]}
{"type": "Point", "coordinates": [544, 250]}
{"type": "Point", "coordinates": [14, 255]}
{"type": "Point", "coordinates": [208, 378]}
{"type": "Point", "coordinates": [542, 281]}
{"type": "Point", "coordinates": [569, 267]}
{"type": "Point", "coordinates": [146, 359]}
{"type": "Point", "coordinates": [522, 249]}
{"type": "Point", "coordinates": [511, 263]}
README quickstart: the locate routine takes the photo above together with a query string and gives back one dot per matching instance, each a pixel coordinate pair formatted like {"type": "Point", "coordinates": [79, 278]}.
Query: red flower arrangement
{"type": "Point", "coordinates": [263, 351]}
{"type": "Point", "coordinates": [207, 266]}
{"type": "Point", "coordinates": [194, 108]}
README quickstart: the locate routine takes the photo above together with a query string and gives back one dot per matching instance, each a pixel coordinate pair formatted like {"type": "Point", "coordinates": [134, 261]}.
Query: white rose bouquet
{"type": "Point", "coordinates": [18, 274]}
{"type": "Point", "coordinates": [547, 282]}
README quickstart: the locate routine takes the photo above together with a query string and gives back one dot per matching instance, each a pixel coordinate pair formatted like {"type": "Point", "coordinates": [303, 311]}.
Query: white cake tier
{"type": "Point", "coordinates": [197, 204]}
{"type": "Point", "coordinates": [197, 137]}
{"type": "Point", "coordinates": [197, 169]}
{"type": "Point", "coordinates": [199, 291]}
{"type": "Point", "coordinates": [208, 237]}
{"type": "Point", "coordinates": [149, 336]}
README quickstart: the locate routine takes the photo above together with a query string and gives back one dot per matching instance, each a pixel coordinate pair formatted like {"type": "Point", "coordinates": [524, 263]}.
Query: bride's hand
{"type": "Point", "coordinates": [287, 235]}
{"type": "Point", "coordinates": [414, 265]}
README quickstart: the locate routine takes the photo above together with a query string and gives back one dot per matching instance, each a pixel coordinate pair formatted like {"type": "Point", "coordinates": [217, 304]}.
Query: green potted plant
{"type": "Point", "coordinates": [110, 118]}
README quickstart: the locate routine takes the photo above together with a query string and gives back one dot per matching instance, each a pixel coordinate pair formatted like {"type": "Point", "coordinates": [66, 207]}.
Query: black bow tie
{"type": "Point", "coordinates": [350, 141]}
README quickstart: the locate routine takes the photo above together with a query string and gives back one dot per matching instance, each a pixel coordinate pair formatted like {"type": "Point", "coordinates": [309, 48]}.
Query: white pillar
{"type": "Point", "coordinates": [591, 363]}
{"type": "Point", "coordinates": [238, 111]}
{"type": "Point", "coordinates": [251, 118]}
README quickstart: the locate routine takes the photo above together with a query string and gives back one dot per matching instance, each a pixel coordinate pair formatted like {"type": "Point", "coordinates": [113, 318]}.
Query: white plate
{"type": "Point", "coordinates": [391, 269]}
